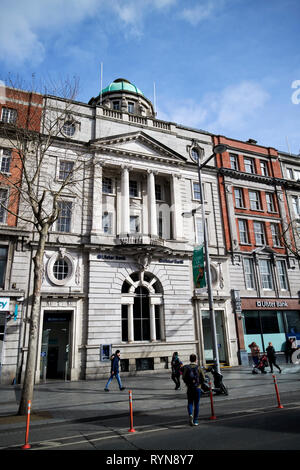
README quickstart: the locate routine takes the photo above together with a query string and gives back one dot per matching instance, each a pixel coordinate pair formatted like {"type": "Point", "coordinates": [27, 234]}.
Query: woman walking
{"type": "Point", "coordinates": [272, 357]}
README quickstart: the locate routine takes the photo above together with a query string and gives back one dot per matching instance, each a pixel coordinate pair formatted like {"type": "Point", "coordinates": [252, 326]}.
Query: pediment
{"type": "Point", "coordinates": [138, 144]}
{"type": "Point", "coordinates": [265, 250]}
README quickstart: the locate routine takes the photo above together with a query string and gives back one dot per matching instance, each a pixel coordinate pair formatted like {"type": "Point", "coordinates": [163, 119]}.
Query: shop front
{"type": "Point", "coordinates": [270, 320]}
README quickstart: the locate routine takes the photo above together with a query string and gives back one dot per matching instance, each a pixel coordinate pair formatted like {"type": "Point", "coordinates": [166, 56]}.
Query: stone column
{"type": "Point", "coordinates": [152, 323]}
{"type": "Point", "coordinates": [176, 207]}
{"type": "Point", "coordinates": [130, 324]}
{"type": "Point", "coordinates": [97, 198]}
{"type": "Point", "coordinates": [151, 203]}
{"type": "Point", "coordinates": [125, 226]}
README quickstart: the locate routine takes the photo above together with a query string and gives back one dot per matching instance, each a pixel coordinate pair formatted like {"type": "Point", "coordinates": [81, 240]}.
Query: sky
{"type": "Point", "coordinates": [229, 67]}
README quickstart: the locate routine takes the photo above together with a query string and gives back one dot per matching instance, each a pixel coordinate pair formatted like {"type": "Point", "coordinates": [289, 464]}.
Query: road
{"type": "Point", "coordinates": [244, 424]}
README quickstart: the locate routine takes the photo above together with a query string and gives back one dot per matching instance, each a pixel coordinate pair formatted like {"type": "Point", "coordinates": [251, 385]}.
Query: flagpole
{"type": "Point", "coordinates": [208, 272]}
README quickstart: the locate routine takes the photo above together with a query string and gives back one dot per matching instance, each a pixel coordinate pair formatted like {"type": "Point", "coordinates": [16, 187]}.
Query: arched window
{"type": "Point", "coordinates": [142, 308]}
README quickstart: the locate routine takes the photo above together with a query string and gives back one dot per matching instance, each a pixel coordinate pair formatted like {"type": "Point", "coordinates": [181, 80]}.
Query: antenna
{"type": "Point", "coordinates": [154, 98]}
{"type": "Point", "coordinates": [101, 75]}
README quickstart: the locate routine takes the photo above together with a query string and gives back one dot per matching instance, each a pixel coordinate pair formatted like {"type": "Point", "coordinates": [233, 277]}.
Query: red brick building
{"type": "Point", "coordinates": [264, 277]}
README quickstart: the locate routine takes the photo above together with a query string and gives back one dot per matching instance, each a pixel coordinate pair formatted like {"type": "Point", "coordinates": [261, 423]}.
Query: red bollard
{"type": "Point", "coordinates": [131, 413]}
{"type": "Point", "coordinates": [277, 393]}
{"type": "Point", "coordinates": [211, 403]}
{"type": "Point", "coordinates": [26, 445]}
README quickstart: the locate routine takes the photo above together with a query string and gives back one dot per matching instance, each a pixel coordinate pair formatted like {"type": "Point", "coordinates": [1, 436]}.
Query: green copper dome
{"type": "Point", "coordinates": [121, 84]}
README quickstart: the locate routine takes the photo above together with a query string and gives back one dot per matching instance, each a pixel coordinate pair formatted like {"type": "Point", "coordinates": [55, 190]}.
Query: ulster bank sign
{"type": "Point", "coordinates": [271, 304]}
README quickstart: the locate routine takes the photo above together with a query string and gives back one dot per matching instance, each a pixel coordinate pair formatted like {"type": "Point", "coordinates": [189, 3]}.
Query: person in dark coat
{"type": "Point", "coordinates": [290, 348]}
{"type": "Point", "coordinates": [114, 371]}
{"type": "Point", "coordinates": [176, 366]}
{"type": "Point", "coordinates": [272, 357]}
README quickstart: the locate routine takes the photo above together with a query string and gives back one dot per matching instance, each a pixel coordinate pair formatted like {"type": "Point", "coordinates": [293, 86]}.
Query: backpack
{"type": "Point", "coordinates": [191, 376]}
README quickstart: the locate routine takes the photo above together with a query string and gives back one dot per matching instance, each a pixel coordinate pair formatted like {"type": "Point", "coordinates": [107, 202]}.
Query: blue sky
{"type": "Point", "coordinates": [225, 66]}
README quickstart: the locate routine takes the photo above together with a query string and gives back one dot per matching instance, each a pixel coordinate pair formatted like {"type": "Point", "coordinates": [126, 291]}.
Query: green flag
{"type": "Point", "coordinates": [198, 267]}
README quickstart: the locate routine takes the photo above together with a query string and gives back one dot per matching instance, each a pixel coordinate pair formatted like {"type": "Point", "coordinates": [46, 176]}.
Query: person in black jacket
{"type": "Point", "coordinates": [176, 365]}
{"type": "Point", "coordinates": [114, 372]}
{"type": "Point", "coordinates": [272, 357]}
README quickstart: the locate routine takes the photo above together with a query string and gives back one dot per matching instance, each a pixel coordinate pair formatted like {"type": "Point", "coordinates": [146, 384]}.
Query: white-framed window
{"type": "Point", "coordinates": [133, 188]}
{"type": "Point", "coordinates": [275, 234]}
{"type": "Point", "coordinates": [5, 155]}
{"type": "Point", "coordinates": [249, 273]}
{"type": "Point", "coordinates": [107, 185]}
{"type": "Point", "coordinates": [65, 169]}
{"type": "Point", "coordinates": [239, 198]}
{"type": "Point", "coordinates": [107, 223]}
{"type": "Point", "coordinates": [297, 174]}
{"type": "Point", "coordinates": [290, 174]}
{"type": "Point", "coordinates": [196, 191]}
{"type": "Point", "coordinates": [69, 128]}
{"type": "Point", "coordinates": [249, 165]}
{"type": "Point", "coordinates": [130, 107]}
{"type": "Point", "coordinates": [63, 223]}
{"type": "Point", "coordinates": [296, 205]}
{"type": "Point", "coordinates": [270, 202]}
{"type": "Point", "coordinates": [60, 268]}
{"type": "Point", "coordinates": [3, 205]}
{"type": "Point", "coordinates": [195, 154]}
{"type": "Point", "coordinates": [199, 231]}
{"type": "Point", "coordinates": [265, 270]}
{"type": "Point", "coordinates": [259, 233]}
{"type": "Point", "coordinates": [9, 115]}
{"type": "Point", "coordinates": [254, 200]}
{"type": "Point", "coordinates": [282, 275]}
{"type": "Point", "coordinates": [234, 162]}
{"type": "Point", "coordinates": [243, 231]}
{"type": "Point", "coordinates": [264, 168]}
{"type": "Point", "coordinates": [134, 224]}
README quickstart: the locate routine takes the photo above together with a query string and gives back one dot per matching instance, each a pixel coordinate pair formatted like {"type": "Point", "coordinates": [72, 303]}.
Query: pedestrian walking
{"type": "Point", "coordinates": [193, 377]}
{"type": "Point", "coordinates": [289, 349]}
{"type": "Point", "coordinates": [255, 353]}
{"type": "Point", "coordinates": [272, 357]}
{"type": "Point", "coordinates": [176, 366]}
{"type": "Point", "coordinates": [114, 371]}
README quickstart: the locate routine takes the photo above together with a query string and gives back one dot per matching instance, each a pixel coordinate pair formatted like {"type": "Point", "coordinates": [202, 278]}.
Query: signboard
{"type": "Point", "coordinates": [4, 304]}
{"type": "Point", "coordinates": [198, 267]}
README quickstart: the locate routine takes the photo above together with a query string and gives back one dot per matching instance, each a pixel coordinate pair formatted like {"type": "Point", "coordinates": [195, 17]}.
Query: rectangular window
{"type": "Point", "coordinates": [239, 200]}
{"type": "Point", "coordinates": [134, 224]}
{"type": "Point", "coordinates": [297, 174]}
{"type": "Point", "coordinates": [254, 200]}
{"type": "Point", "coordinates": [282, 275]}
{"type": "Point", "coordinates": [249, 273]}
{"type": "Point", "coordinates": [265, 270]}
{"type": "Point", "coordinates": [243, 231]}
{"type": "Point", "coordinates": [160, 224]}
{"type": "Point", "coordinates": [234, 162]}
{"type": "Point", "coordinates": [65, 169]}
{"type": "Point", "coordinates": [290, 173]}
{"type": "Point", "coordinates": [9, 115]}
{"type": "Point", "coordinates": [296, 205]}
{"type": "Point", "coordinates": [64, 218]}
{"type": "Point", "coordinates": [107, 185]}
{"type": "Point", "coordinates": [5, 160]}
{"type": "Point", "coordinates": [199, 231]}
{"type": "Point", "coordinates": [158, 192]}
{"type": "Point", "coordinates": [196, 191]}
{"type": "Point", "coordinates": [275, 234]}
{"type": "Point", "coordinates": [3, 264]}
{"type": "Point", "coordinates": [3, 205]}
{"type": "Point", "coordinates": [264, 168]}
{"type": "Point", "coordinates": [116, 105]}
{"type": "Point", "coordinates": [270, 202]}
{"type": "Point", "coordinates": [259, 233]}
{"type": "Point", "coordinates": [133, 189]}
{"type": "Point", "coordinates": [107, 223]}
{"type": "Point", "coordinates": [249, 165]}
{"type": "Point", "coordinates": [130, 107]}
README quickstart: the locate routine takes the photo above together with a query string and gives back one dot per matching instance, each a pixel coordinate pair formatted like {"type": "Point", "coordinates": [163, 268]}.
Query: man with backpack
{"type": "Point", "coordinates": [193, 377]}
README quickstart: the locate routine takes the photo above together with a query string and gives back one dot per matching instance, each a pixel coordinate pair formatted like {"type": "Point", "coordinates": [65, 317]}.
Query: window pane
{"type": "Point", "coordinates": [64, 218]}
{"type": "Point", "coordinates": [266, 274]}
{"type": "Point", "coordinates": [3, 261]}
{"type": "Point", "coordinates": [107, 186]}
{"type": "Point", "coordinates": [65, 168]}
{"type": "Point", "coordinates": [196, 191]}
{"type": "Point", "coordinates": [292, 321]}
{"type": "Point", "coordinates": [60, 269]}
{"type": "Point", "coordinates": [249, 273]}
{"type": "Point", "coordinates": [3, 200]}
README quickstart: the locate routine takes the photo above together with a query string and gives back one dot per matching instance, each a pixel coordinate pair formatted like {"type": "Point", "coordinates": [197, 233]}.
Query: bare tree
{"type": "Point", "coordinates": [290, 237]}
{"type": "Point", "coordinates": [34, 189]}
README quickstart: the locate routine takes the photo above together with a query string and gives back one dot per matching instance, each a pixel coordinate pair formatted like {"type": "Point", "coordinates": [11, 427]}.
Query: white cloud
{"type": "Point", "coordinates": [202, 11]}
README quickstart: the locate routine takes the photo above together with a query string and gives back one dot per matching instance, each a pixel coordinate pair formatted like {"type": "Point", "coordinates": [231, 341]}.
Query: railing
{"type": "Point", "coordinates": [135, 119]}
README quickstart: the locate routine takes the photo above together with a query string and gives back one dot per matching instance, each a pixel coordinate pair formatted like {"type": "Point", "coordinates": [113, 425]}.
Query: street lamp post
{"type": "Point", "coordinates": [216, 149]}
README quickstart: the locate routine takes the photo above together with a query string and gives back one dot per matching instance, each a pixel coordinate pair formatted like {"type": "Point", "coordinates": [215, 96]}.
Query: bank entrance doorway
{"type": "Point", "coordinates": [207, 336]}
{"type": "Point", "coordinates": [55, 345]}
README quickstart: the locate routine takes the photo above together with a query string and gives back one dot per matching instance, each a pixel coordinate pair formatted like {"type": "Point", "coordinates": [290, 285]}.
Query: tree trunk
{"type": "Point", "coordinates": [29, 379]}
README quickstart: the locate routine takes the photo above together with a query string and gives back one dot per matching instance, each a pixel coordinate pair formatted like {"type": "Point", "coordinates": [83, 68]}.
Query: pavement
{"type": "Point", "coordinates": [67, 402]}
